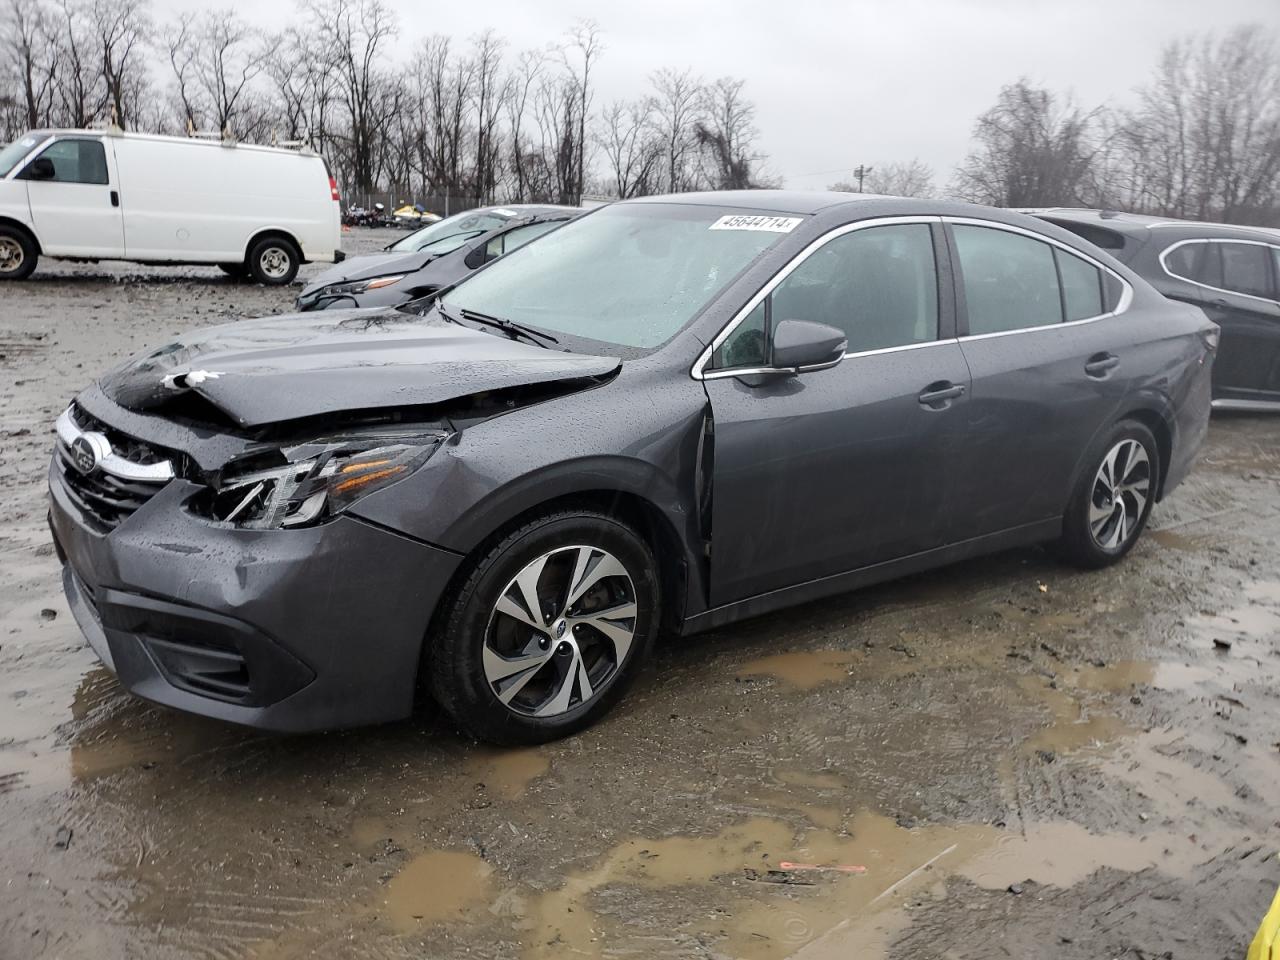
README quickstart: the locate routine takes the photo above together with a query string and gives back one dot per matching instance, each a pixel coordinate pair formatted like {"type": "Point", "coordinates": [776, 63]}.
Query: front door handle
{"type": "Point", "coordinates": [938, 396]}
{"type": "Point", "coordinates": [1100, 364]}
{"type": "Point", "coordinates": [115, 198]}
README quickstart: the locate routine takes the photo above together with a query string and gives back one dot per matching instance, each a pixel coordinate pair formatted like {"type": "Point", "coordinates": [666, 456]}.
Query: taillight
{"type": "Point", "coordinates": [333, 190]}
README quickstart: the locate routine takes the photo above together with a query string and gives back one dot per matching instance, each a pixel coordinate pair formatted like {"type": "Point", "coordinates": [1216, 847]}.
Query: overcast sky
{"type": "Point", "coordinates": [841, 83]}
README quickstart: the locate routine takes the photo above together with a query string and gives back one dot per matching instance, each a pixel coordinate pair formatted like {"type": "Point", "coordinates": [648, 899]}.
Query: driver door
{"type": "Point", "coordinates": [828, 471]}
{"type": "Point", "coordinates": [76, 211]}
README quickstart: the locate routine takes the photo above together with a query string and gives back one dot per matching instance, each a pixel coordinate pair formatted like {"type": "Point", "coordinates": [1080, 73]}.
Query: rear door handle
{"type": "Point", "coordinates": [1100, 364]}
{"type": "Point", "coordinates": [115, 198]}
{"type": "Point", "coordinates": [938, 396]}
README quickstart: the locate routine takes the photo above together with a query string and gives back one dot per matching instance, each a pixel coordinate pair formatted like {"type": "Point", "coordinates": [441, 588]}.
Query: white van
{"type": "Point", "coordinates": [108, 195]}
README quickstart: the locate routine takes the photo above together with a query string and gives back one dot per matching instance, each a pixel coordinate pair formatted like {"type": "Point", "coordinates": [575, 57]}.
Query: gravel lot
{"type": "Point", "coordinates": [1028, 760]}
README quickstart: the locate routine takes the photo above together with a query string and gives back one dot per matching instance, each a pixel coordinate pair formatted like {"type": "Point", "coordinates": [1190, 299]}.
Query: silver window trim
{"type": "Point", "coordinates": [112, 463]}
{"type": "Point", "coordinates": [1126, 288]}
{"type": "Point", "coordinates": [697, 370]}
{"type": "Point", "coordinates": [1205, 286]}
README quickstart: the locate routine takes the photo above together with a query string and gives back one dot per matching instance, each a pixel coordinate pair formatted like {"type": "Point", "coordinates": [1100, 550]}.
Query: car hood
{"type": "Point", "coordinates": [367, 267]}
{"type": "Point", "coordinates": [285, 368]}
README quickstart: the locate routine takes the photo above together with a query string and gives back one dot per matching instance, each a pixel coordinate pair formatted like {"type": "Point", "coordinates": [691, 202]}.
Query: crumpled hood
{"type": "Point", "coordinates": [368, 267]}
{"type": "Point", "coordinates": [301, 365]}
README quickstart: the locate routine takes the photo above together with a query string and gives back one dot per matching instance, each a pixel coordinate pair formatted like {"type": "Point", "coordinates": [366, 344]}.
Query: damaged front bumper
{"type": "Point", "coordinates": [287, 630]}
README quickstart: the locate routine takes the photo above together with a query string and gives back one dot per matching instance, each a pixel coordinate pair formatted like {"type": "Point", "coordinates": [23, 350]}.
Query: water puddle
{"type": "Point", "coordinates": [435, 887]}
{"type": "Point", "coordinates": [507, 773]}
{"type": "Point", "coordinates": [1175, 540]}
{"type": "Point", "coordinates": [803, 669]}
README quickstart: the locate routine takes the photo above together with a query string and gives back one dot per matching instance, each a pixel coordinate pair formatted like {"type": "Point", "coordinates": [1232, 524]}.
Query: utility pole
{"type": "Point", "coordinates": [859, 172]}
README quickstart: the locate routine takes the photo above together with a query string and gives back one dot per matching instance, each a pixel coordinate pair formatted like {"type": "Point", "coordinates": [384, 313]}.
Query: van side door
{"type": "Point", "coordinates": [74, 194]}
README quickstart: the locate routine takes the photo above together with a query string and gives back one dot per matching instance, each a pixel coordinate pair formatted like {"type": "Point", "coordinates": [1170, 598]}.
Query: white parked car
{"type": "Point", "coordinates": [108, 195]}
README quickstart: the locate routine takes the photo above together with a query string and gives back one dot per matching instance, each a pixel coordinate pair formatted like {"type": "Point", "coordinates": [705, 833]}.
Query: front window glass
{"type": "Point", "coordinates": [12, 155]}
{"type": "Point", "coordinates": [76, 161]}
{"type": "Point", "coordinates": [452, 232]}
{"type": "Point", "coordinates": [1245, 269]}
{"type": "Point", "coordinates": [748, 345]}
{"type": "Point", "coordinates": [631, 274]}
{"type": "Point", "coordinates": [878, 285]}
{"type": "Point", "coordinates": [1010, 281]}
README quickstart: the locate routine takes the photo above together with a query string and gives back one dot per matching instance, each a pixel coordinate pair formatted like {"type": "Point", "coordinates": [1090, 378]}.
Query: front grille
{"type": "Point", "coordinates": [106, 500]}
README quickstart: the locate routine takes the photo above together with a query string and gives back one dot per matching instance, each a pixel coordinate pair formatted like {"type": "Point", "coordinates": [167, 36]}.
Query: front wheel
{"type": "Point", "coordinates": [1113, 497]}
{"type": "Point", "coordinates": [274, 262]}
{"type": "Point", "coordinates": [548, 630]}
{"type": "Point", "coordinates": [17, 254]}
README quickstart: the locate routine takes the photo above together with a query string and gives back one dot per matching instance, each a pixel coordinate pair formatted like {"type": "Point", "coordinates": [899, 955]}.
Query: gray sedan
{"type": "Point", "coordinates": [671, 413]}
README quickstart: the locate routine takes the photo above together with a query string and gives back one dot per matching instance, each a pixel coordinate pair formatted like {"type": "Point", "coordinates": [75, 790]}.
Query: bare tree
{"type": "Point", "coordinates": [1204, 141]}
{"type": "Point", "coordinates": [726, 133]}
{"type": "Point", "coordinates": [579, 56]}
{"type": "Point", "coordinates": [912, 178]}
{"type": "Point", "coordinates": [120, 29]}
{"type": "Point", "coordinates": [632, 151]}
{"type": "Point", "coordinates": [677, 100]}
{"type": "Point", "coordinates": [1031, 151]}
{"type": "Point", "coordinates": [29, 63]}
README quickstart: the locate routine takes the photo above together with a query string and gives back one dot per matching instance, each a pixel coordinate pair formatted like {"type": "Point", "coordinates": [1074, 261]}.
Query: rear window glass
{"type": "Point", "coordinates": [1010, 281]}
{"type": "Point", "coordinates": [1245, 269]}
{"type": "Point", "coordinates": [1081, 287]}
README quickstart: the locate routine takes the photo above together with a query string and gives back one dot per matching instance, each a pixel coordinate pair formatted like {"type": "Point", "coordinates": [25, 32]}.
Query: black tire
{"type": "Point", "coordinates": [18, 254]}
{"type": "Point", "coordinates": [454, 658]}
{"type": "Point", "coordinates": [1099, 526]}
{"type": "Point", "coordinates": [237, 271]}
{"type": "Point", "coordinates": [274, 261]}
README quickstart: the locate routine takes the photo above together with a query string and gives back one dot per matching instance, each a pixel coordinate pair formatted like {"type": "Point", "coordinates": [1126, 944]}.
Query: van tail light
{"type": "Point", "coordinates": [333, 190]}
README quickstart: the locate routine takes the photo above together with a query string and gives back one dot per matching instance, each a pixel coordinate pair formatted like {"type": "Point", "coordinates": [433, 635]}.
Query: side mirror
{"type": "Point", "coordinates": [41, 168]}
{"type": "Point", "coordinates": [802, 345]}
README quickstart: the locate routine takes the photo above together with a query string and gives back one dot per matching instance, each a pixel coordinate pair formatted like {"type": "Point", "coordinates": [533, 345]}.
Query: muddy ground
{"type": "Point", "coordinates": [1024, 760]}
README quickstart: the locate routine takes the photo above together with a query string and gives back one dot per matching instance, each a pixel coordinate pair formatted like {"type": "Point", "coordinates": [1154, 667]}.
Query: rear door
{"type": "Point", "coordinates": [832, 470]}
{"type": "Point", "coordinates": [1048, 368]}
{"type": "Point", "coordinates": [1240, 292]}
{"type": "Point", "coordinates": [76, 212]}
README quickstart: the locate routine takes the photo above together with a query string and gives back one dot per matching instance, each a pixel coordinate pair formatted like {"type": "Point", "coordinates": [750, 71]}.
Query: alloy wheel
{"type": "Point", "coordinates": [1120, 492]}
{"type": "Point", "coordinates": [274, 262]}
{"type": "Point", "coordinates": [560, 631]}
{"type": "Point", "coordinates": [11, 255]}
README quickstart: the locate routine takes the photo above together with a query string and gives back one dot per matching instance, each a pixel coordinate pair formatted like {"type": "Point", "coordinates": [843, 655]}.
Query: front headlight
{"type": "Point", "coordinates": [319, 480]}
{"type": "Point", "coordinates": [363, 286]}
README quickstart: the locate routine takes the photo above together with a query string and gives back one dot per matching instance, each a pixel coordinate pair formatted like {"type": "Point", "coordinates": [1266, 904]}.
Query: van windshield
{"type": "Point", "coordinates": [461, 226]}
{"type": "Point", "coordinates": [12, 155]}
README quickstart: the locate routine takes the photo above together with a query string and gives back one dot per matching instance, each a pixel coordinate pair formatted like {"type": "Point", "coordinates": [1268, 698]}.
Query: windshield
{"type": "Point", "coordinates": [629, 274]}
{"type": "Point", "coordinates": [459, 228]}
{"type": "Point", "coordinates": [12, 155]}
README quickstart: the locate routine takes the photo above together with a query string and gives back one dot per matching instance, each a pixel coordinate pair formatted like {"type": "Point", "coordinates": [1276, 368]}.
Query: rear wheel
{"type": "Point", "coordinates": [17, 254]}
{"type": "Point", "coordinates": [1113, 497]}
{"type": "Point", "coordinates": [274, 261]}
{"type": "Point", "coordinates": [548, 630]}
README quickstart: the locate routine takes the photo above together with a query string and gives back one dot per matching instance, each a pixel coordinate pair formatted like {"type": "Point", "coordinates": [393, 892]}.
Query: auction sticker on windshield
{"type": "Point", "coordinates": [772, 224]}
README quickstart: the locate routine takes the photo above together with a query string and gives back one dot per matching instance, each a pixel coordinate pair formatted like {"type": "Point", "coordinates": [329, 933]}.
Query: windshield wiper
{"type": "Point", "coordinates": [509, 327]}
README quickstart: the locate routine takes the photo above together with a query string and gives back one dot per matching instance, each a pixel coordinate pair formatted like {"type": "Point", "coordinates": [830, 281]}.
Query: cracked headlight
{"type": "Point", "coordinates": [362, 286]}
{"type": "Point", "coordinates": [319, 480]}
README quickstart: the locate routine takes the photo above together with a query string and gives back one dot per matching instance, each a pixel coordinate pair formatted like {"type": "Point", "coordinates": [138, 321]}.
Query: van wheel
{"type": "Point", "coordinates": [17, 254]}
{"type": "Point", "coordinates": [1113, 497]}
{"type": "Point", "coordinates": [236, 271]}
{"type": "Point", "coordinates": [274, 261]}
{"type": "Point", "coordinates": [548, 630]}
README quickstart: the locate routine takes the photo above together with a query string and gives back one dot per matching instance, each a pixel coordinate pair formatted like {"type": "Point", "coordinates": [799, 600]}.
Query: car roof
{"type": "Point", "coordinates": [773, 201]}
{"type": "Point", "coordinates": [1134, 224]}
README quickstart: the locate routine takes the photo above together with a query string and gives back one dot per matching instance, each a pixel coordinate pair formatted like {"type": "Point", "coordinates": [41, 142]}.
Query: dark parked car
{"type": "Point", "coordinates": [671, 413]}
{"type": "Point", "coordinates": [1232, 273]}
{"type": "Point", "coordinates": [431, 258]}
